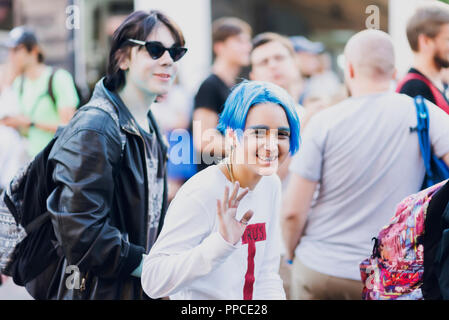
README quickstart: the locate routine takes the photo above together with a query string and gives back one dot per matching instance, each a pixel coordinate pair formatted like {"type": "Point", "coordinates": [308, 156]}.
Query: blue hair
{"type": "Point", "coordinates": [250, 93]}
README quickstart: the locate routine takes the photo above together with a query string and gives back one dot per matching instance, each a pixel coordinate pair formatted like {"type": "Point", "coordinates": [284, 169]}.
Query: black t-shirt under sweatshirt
{"type": "Point", "coordinates": [416, 87]}
{"type": "Point", "coordinates": [211, 95]}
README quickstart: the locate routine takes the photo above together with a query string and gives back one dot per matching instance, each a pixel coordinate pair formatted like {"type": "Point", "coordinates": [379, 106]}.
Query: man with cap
{"type": "Point", "coordinates": [322, 86]}
{"type": "Point", "coordinates": [307, 52]}
{"type": "Point", "coordinates": [47, 96]}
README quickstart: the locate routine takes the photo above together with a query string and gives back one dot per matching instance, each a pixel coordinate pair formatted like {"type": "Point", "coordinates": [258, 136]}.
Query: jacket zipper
{"type": "Point", "coordinates": [146, 184]}
{"type": "Point", "coordinates": [147, 194]}
{"type": "Point", "coordinates": [83, 282]}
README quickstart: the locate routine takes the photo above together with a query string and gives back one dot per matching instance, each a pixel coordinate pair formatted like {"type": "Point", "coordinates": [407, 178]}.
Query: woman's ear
{"type": "Point", "coordinates": [124, 64]}
{"type": "Point", "coordinates": [231, 139]}
{"type": "Point", "coordinates": [124, 58]}
{"type": "Point", "coordinates": [218, 48]}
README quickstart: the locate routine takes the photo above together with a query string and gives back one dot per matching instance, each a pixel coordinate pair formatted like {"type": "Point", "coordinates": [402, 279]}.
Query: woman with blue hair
{"type": "Point", "coordinates": [208, 249]}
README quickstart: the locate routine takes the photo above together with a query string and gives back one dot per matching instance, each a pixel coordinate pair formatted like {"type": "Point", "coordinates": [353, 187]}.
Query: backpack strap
{"type": "Point", "coordinates": [22, 80]}
{"type": "Point", "coordinates": [440, 100]}
{"type": "Point", "coordinates": [423, 130]}
{"type": "Point", "coordinates": [50, 88]}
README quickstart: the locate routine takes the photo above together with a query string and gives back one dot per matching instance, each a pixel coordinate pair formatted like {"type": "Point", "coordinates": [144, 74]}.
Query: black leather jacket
{"type": "Point", "coordinates": [99, 208]}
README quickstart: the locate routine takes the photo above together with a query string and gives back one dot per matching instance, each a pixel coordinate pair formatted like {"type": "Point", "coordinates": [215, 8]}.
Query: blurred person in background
{"type": "Point", "coordinates": [362, 158]}
{"type": "Point", "coordinates": [13, 153]}
{"type": "Point", "coordinates": [231, 41]}
{"type": "Point", "coordinates": [13, 156]}
{"type": "Point", "coordinates": [322, 86]}
{"type": "Point", "coordinates": [428, 36]}
{"type": "Point", "coordinates": [325, 84]}
{"type": "Point", "coordinates": [47, 97]}
{"type": "Point", "coordinates": [172, 112]}
{"type": "Point", "coordinates": [307, 53]}
{"type": "Point", "coordinates": [272, 59]}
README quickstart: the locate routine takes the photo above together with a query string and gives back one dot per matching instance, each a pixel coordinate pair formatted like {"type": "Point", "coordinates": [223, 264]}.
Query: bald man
{"type": "Point", "coordinates": [358, 159]}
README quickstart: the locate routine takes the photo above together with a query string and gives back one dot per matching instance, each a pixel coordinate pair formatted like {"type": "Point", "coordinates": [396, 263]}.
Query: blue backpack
{"type": "Point", "coordinates": [436, 169]}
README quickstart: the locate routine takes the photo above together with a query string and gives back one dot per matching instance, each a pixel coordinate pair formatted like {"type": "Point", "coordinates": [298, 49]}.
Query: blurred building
{"type": "Point", "coordinates": [74, 34]}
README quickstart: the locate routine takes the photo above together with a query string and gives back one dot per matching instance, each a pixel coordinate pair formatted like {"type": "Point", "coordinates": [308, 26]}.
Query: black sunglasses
{"type": "Point", "coordinates": [156, 49]}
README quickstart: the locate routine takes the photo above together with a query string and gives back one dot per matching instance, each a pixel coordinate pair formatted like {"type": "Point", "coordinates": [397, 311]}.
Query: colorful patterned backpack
{"type": "Point", "coordinates": [396, 267]}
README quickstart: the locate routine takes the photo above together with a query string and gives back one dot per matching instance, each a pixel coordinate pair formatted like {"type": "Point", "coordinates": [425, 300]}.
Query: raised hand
{"type": "Point", "coordinates": [229, 227]}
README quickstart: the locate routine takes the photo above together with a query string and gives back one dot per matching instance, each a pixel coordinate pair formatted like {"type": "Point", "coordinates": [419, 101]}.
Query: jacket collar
{"type": "Point", "coordinates": [126, 120]}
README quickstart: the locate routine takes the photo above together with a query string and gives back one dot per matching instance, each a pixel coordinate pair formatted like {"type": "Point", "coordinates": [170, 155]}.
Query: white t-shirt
{"type": "Point", "coordinates": [191, 260]}
{"type": "Point", "coordinates": [366, 161]}
{"type": "Point", "coordinates": [13, 153]}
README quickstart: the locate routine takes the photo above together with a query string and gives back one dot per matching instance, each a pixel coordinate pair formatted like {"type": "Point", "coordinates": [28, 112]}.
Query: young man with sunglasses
{"type": "Point", "coordinates": [108, 170]}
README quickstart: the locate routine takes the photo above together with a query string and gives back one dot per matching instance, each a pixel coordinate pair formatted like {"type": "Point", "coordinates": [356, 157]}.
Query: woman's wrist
{"type": "Point", "coordinates": [138, 271]}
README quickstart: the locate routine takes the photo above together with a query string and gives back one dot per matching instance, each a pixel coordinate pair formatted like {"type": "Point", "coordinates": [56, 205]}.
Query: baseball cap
{"type": "Point", "coordinates": [302, 44]}
{"type": "Point", "coordinates": [20, 35]}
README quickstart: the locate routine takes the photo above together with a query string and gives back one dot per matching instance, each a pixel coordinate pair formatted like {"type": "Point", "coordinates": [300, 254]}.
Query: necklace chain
{"type": "Point", "coordinates": [228, 166]}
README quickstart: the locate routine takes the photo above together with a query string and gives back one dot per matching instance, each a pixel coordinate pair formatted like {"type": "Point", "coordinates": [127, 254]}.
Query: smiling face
{"type": "Point", "coordinates": [266, 139]}
{"type": "Point", "coordinates": [149, 75]}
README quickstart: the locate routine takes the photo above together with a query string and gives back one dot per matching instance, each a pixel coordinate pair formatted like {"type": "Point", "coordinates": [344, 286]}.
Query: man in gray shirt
{"type": "Point", "coordinates": [364, 159]}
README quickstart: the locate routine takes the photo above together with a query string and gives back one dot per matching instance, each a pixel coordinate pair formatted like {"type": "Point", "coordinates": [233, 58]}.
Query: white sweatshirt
{"type": "Point", "coordinates": [191, 260]}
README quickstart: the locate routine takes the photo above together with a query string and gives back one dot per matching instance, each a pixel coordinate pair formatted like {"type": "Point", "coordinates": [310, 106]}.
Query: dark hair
{"type": "Point", "coordinates": [226, 27]}
{"type": "Point", "coordinates": [29, 47]}
{"type": "Point", "coordinates": [427, 20]}
{"type": "Point", "coordinates": [266, 37]}
{"type": "Point", "coordinates": [138, 25]}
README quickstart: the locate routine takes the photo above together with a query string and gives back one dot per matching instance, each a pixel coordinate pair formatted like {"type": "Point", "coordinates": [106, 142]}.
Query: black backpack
{"type": "Point", "coordinates": [26, 234]}
{"type": "Point", "coordinates": [28, 243]}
